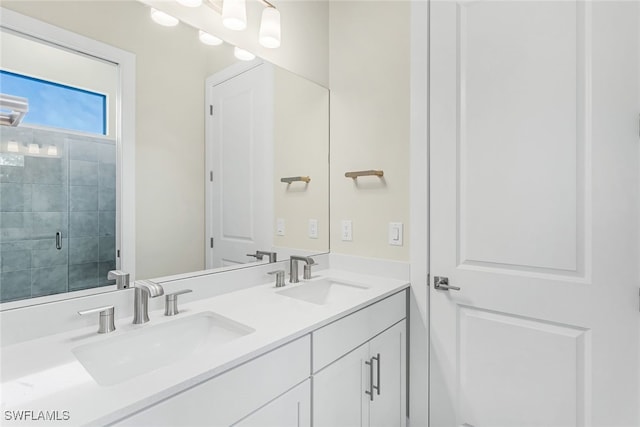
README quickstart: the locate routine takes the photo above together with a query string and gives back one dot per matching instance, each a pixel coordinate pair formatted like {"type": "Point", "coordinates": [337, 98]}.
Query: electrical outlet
{"type": "Point", "coordinates": [280, 226]}
{"type": "Point", "coordinates": [347, 230]}
{"type": "Point", "coordinates": [313, 228]}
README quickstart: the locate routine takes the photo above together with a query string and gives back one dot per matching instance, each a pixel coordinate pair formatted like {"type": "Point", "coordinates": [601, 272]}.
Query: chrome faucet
{"type": "Point", "coordinates": [143, 290]}
{"type": "Point", "coordinates": [121, 278]}
{"type": "Point", "coordinates": [293, 267]}
{"type": "Point", "coordinates": [273, 257]}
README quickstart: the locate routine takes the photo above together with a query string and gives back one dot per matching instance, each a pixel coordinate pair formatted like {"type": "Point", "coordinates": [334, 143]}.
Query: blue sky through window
{"type": "Point", "coordinates": [56, 105]}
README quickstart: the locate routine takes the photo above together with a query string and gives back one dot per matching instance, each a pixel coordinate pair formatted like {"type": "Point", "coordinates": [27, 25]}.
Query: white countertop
{"type": "Point", "coordinates": [44, 375]}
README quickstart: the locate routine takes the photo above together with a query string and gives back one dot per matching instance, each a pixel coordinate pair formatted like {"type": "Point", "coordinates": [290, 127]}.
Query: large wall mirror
{"type": "Point", "coordinates": [231, 158]}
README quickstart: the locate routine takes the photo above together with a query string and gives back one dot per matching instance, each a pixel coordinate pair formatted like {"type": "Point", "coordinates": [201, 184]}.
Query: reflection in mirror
{"type": "Point", "coordinates": [175, 158]}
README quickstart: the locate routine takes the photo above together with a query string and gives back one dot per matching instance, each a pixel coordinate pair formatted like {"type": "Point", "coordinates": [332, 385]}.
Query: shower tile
{"type": "Point", "coordinates": [15, 285]}
{"type": "Point", "coordinates": [107, 152]}
{"type": "Point", "coordinates": [47, 224]}
{"type": "Point", "coordinates": [83, 198]}
{"type": "Point", "coordinates": [83, 173]}
{"type": "Point", "coordinates": [15, 226]}
{"type": "Point", "coordinates": [107, 199]}
{"type": "Point", "coordinates": [107, 175]}
{"type": "Point", "coordinates": [82, 149]}
{"type": "Point", "coordinates": [15, 261]}
{"type": "Point", "coordinates": [83, 250]}
{"type": "Point", "coordinates": [103, 269]}
{"type": "Point", "coordinates": [83, 276]}
{"type": "Point", "coordinates": [107, 249]}
{"type": "Point", "coordinates": [49, 198]}
{"type": "Point", "coordinates": [107, 225]}
{"type": "Point", "coordinates": [15, 197]}
{"type": "Point", "coordinates": [11, 173]}
{"type": "Point", "coordinates": [49, 281]}
{"type": "Point", "coordinates": [83, 224]}
{"type": "Point", "coordinates": [45, 253]}
{"type": "Point", "coordinates": [42, 170]}
{"type": "Point", "coordinates": [18, 245]}
{"type": "Point", "coordinates": [22, 135]}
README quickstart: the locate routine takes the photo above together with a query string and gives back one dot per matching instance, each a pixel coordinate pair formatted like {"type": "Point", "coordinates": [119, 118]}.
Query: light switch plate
{"type": "Point", "coordinates": [280, 226]}
{"type": "Point", "coordinates": [395, 233]}
{"type": "Point", "coordinates": [313, 228]}
{"type": "Point", "coordinates": [347, 230]}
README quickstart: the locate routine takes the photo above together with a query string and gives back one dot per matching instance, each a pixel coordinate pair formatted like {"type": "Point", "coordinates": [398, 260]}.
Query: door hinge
{"type": "Point", "coordinates": [212, 242]}
{"type": "Point", "coordinates": [118, 253]}
{"type": "Point", "coordinates": [211, 110]}
{"type": "Point", "coordinates": [211, 176]}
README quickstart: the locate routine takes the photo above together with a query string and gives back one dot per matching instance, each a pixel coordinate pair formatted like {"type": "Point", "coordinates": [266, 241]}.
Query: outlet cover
{"type": "Point", "coordinates": [395, 233]}
{"type": "Point", "coordinates": [280, 227]}
{"type": "Point", "coordinates": [347, 230]}
{"type": "Point", "coordinates": [313, 228]}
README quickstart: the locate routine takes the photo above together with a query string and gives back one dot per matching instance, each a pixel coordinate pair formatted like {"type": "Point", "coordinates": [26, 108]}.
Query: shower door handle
{"type": "Point", "coordinates": [58, 240]}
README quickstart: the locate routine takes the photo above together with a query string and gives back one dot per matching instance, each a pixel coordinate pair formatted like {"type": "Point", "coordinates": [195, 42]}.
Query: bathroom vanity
{"type": "Point", "coordinates": [257, 356]}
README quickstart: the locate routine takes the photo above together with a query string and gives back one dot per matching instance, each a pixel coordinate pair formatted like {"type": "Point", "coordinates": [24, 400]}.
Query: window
{"type": "Point", "coordinates": [57, 105]}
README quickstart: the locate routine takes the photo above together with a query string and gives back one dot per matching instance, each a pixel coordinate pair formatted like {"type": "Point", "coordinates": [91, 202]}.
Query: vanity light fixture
{"type": "Point", "coordinates": [270, 27]}
{"type": "Point", "coordinates": [34, 149]}
{"type": "Point", "coordinates": [190, 3]}
{"type": "Point", "coordinates": [13, 147]}
{"type": "Point", "coordinates": [243, 55]}
{"type": "Point", "coordinates": [163, 19]}
{"type": "Point", "coordinates": [234, 14]}
{"type": "Point", "coordinates": [209, 39]}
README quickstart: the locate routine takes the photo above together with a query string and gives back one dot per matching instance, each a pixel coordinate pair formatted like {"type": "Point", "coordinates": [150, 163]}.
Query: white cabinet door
{"type": "Point", "coordinates": [534, 184]}
{"type": "Point", "coordinates": [341, 391]}
{"type": "Point", "coordinates": [338, 391]}
{"type": "Point", "coordinates": [388, 407]}
{"type": "Point", "coordinates": [292, 409]}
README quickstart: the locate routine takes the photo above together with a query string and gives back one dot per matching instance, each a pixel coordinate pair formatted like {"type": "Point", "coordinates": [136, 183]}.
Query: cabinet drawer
{"type": "Point", "coordinates": [225, 399]}
{"type": "Point", "coordinates": [344, 335]}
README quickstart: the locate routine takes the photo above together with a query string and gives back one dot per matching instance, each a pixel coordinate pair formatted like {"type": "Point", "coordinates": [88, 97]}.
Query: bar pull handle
{"type": "Point", "coordinates": [377, 386]}
{"type": "Point", "coordinates": [58, 240]}
{"type": "Point", "coordinates": [370, 391]}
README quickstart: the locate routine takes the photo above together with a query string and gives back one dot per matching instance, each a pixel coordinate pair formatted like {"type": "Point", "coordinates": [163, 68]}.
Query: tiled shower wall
{"type": "Point", "coordinates": [72, 192]}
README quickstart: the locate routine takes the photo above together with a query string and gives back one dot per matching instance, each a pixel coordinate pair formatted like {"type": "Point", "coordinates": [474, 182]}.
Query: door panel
{"type": "Point", "coordinates": [292, 409]}
{"type": "Point", "coordinates": [534, 183]}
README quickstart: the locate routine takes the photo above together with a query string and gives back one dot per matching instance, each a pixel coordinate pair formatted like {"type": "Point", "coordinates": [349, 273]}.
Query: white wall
{"type": "Point", "coordinates": [369, 81]}
{"type": "Point", "coordinates": [301, 148]}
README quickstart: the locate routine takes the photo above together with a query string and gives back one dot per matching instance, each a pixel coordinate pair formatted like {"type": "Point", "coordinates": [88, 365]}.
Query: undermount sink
{"type": "Point", "coordinates": [138, 352]}
{"type": "Point", "coordinates": [323, 291]}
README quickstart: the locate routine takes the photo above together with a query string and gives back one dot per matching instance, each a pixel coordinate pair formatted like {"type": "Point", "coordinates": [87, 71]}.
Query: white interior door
{"type": "Point", "coordinates": [534, 191]}
{"type": "Point", "coordinates": [240, 167]}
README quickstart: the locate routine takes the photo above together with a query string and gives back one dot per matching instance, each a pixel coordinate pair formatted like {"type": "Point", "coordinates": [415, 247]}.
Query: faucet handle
{"type": "Point", "coordinates": [121, 278]}
{"type": "Point", "coordinates": [171, 302]}
{"type": "Point", "coordinates": [306, 275]}
{"type": "Point", "coordinates": [279, 277]}
{"type": "Point", "coordinates": [107, 313]}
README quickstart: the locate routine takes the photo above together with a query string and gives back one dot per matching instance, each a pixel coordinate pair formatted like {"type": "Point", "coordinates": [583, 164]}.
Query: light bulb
{"type": "Point", "coordinates": [234, 14]}
{"type": "Point", "coordinates": [190, 3]}
{"type": "Point", "coordinates": [209, 39]}
{"type": "Point", "coordinates": [34, 149]}
{"type": "Point", "coordinates": [270, 28]}
{"type": "Point", "coordinates": [52, 150]}
{"type": "Point", "coordinates": [13, 147]}
{"type": "Point", "coordinates": [243, 55]}
{"type": "Point", "coordinates": [163, 19]}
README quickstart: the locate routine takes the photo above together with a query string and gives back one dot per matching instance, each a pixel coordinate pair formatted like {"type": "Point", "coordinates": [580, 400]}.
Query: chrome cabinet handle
{"type": "Point", "coordinates": [106, 324]}
{"type": "Point", "coordinates": [370, 391]}
{"type": "Point", "coordinates": [442, 284]}
{"type": "Point", "coordinates": [58, 240]}
{"type": "Point", "coordinates": [171, 302]}
{"type": "Point", "coordinates": [377, 386]}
